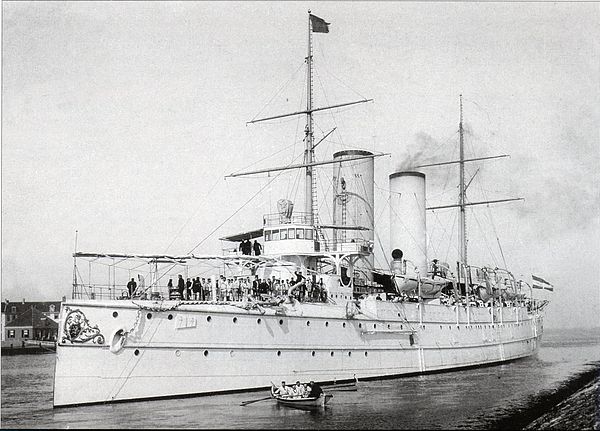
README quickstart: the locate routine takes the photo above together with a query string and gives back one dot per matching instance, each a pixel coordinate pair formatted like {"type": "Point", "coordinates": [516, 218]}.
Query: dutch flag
{"type": "Point", "coordinates": [540, 283]}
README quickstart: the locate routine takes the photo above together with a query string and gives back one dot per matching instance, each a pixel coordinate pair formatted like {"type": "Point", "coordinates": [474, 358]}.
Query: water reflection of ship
{"type": "Point", "coordinates": [412, 316]}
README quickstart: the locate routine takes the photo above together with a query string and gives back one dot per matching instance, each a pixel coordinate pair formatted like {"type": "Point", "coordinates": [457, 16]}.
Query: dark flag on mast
{"type": "Point", "coordinates": [318, 24]}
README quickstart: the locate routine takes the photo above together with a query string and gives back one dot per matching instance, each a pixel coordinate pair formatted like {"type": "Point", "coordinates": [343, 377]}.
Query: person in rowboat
{"type": "Point", "coordinates": [315, 390]}
{"type": "Point", "coordinates": [305, 390]}
{"type": "Point", "coordinates": [297, 390]}
{"type": "Point", "coordinates": [282, 390]}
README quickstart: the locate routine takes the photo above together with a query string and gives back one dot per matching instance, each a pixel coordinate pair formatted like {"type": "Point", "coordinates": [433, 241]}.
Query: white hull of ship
{"type": "Point", "coordinates": [191, 349]}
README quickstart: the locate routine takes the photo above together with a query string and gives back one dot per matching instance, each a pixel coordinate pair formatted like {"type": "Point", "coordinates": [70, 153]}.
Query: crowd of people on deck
{"type": "Point", "coordinates": [299, 390]}
{"type": "Point", "coordinates": [243, 288]}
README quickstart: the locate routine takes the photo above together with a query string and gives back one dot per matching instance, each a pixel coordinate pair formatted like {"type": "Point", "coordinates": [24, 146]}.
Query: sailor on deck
{"type": "Point", "coordinates": [131, 287]}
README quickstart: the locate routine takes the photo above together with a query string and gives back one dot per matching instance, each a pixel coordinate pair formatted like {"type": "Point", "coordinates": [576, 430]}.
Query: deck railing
{"type": "Point", "coordinates": [296, 218]}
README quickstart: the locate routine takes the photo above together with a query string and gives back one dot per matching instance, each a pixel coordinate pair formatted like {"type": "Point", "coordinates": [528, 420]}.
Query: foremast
{"type": "Point", "coordinates": [310, 181]}
{"type": "Point", "coordinates": [462, 191]}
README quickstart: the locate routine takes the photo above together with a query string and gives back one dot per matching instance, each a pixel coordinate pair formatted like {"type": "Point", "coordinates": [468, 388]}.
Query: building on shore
{"type": "Point", "coordinates": [29, 324]}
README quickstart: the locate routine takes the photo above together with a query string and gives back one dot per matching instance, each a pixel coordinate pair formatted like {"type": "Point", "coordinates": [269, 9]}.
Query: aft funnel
{"type": "Point", "coordinates": [407, 219]}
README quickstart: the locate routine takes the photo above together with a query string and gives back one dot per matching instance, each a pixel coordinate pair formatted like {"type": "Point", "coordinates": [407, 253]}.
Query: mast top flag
{"type": "Point", "coordinates": [318, 24]}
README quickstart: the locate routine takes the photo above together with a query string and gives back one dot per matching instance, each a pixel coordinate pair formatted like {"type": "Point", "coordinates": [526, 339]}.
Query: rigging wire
{"type": "Point", "coordinates": [192, 215]}
{"type": "Point", "coordinates": [451, 236]}
{"type": "Point", "coordinates": [485, 240]}
{"type": "Point", "coordinates": [235, 212]}
{"type": "Point", "coordinates": [285, 84]}
{"type": "Point", "coordinates": [326, 69]}
{"type": "Point", "coordinates": [386, 205]}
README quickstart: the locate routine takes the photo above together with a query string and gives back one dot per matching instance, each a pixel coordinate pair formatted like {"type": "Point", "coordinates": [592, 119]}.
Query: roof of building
{"type": "Point", "coordinates": [21, 307]}
{"type": "Point", "coordinates": [32, 318]}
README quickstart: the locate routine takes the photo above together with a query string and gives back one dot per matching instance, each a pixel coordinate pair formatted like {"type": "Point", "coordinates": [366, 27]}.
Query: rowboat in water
{"type": "Point", "coordinates": [302, 403]}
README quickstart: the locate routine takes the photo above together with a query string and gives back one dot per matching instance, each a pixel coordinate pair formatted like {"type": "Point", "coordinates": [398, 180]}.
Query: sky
{"type": "Point", "coordinates": [121, 119]}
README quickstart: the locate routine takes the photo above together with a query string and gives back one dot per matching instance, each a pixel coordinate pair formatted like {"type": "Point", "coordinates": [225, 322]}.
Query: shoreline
{"type": "Point", "coordinates": [568, 406]}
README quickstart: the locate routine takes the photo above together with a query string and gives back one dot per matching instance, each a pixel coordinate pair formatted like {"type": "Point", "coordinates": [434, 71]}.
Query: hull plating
{"type": "Point", "coordinates": [199, 348]}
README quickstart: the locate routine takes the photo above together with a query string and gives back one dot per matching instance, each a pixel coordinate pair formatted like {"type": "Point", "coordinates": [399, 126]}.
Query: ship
{"type": "Point", "coordinates": [308, 304]}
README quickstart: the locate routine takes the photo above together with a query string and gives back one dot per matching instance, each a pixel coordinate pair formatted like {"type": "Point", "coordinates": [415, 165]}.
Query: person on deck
{"type": "Point", "coordinates": [257, 248]}
{"type": "Point", "coordinates": [170, 289]}
{"type": "Point", "coordinates": [436, 268]}
{"type": "Point", "coordinates": [181, 286]}
{"type": "Point", "coordinates": [141, 284]}
{"type": "Point", "coordinates": [131, 287]}
{"type": "Point", "coordinates": [263, 287]}
{"type": "Point", "coordinates": [196, 288]}
{"type": "Point", "coordinates": [246, 247]}
{"type": "Point", "coordinates": [204, 290]}
{"type": "Point", "coordinates": [255, 283]}
{"type": "Point", "coordinates": [188, 289]}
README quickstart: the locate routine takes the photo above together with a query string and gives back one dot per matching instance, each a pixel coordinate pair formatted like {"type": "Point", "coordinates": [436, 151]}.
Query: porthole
{"type": "Point", "coordinates": [401, 327]}
{"type": "Point", "coordinates": [279, 353]}
{"type": "Point", "coordinates": [399, 315]}
{"type": "Point", "coordinates": [331, 353]}
{"type": "Point", "coordinates": [206, 353]}
{"type": "Point", "coordinates": [235, 320]}
{"type": "Point", "coordinates": [366, 354]}
{"type": "Point", "coordinates": [440, 326]}
{"type": "Point", "coordinates": [374, 325]}
{"type": "Point", "coordinates": [389, 326]}
{"type": "Point", "coordinates": [360, 325]}
{"type": "Point", "coordinates": [177, 353]}
{"type": "Point", "coordinates": [326, 323]}
{"type": "Point", "coordinates": [349, 353]}
{"type": "Point", "coordinates": [343, 324]}
{"type": "Point", "coordinates": [313, 353]}
{"type": "Point", "coordinates": [208, 318]}
{"type": "Point", "coordinates": [149, 316]}
{"type": "Point", "coordinates": [170, 317]}
{"type": "Point", "coordinates": [136, 352]}
{"type": "Point", "coordinates": [281, 321]}
{"type": "Point", "coordinates": [115, 314]}
{"type": "Point", "coordinates": [308, 323]}
{"type": "Point", "coordinates": [258, 321]}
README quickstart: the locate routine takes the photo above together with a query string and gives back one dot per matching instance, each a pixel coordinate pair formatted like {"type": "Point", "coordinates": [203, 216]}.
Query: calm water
{"type": "Point", "coordinates": [461, 399]}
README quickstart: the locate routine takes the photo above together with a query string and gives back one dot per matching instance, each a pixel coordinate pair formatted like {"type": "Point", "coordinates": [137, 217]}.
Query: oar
{"type": "Point", "coordinates": [245, 403]}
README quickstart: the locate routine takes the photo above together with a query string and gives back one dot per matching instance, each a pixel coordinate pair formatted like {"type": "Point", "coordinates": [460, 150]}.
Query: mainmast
{"type": "Point", "coordinates": [310, 189]}
{"type": "Point", "coordinates": [461, 195]}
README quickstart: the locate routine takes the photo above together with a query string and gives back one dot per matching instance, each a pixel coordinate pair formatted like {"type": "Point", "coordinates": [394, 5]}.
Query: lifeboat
{"type": "Point", "coordinates": [430, 288]}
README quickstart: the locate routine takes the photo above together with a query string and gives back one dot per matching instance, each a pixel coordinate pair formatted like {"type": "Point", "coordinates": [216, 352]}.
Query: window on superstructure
{"type": "Point", "coordinates": [292, 233]}
{"type": "Point", "coordinates": [25, 333]}
{"type": "Point", "coordinates": [300, 234]}
{"type": "Point", "coordinates": [284, 234]}
{"type": "Point", "coordinates": [11, 333]}
{"type": "Point", "coordinates": [13, 309]}
{"type": "Point", "coordinates": [276, 235]}
{"type": "Point", "coordinates": [309, 234]}
{"type": "Point", "coordinates": [267, 235]}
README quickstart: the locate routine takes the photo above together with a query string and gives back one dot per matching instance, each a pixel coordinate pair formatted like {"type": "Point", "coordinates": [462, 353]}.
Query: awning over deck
{"type": "Point", "coordinates": [243, 235]}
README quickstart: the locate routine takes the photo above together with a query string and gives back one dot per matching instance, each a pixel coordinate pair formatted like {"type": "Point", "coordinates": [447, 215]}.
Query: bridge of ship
{"type": "Point", "coordinates": [297, 235]}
